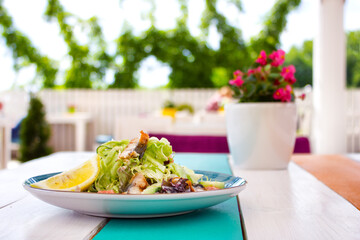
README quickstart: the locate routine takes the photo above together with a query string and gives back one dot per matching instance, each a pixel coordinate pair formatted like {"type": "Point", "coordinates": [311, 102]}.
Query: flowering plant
{"type": "Point", "coordinates": [71, 108]}
{"type": "Point", "coordinates": [267, 81]}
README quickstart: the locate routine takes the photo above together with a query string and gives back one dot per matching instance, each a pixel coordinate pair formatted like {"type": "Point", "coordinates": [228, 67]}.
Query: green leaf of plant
{"type": "Point", "coordinates": [250, 90]}
{"type": "Point", "coordinates": [265, 86]}
{"type": "Point", "coordinates": [274, 75]}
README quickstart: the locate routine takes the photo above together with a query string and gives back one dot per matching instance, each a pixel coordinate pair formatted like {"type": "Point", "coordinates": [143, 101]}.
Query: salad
{"type": "Point", "coordinates": [145, 165]}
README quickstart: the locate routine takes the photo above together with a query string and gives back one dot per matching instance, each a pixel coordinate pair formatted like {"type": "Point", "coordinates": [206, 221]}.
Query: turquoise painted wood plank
{"type": "Point", "coordinates": [218, 222]}
{"type": "Point", "coordinates": [206, 162]}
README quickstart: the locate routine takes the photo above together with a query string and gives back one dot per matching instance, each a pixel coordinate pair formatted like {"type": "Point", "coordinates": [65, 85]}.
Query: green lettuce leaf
{"type": "Point", "coordinates": [155, 165]}
{"type": "Point", "coordinates": [108, 178]}
{"type": "Point", "coordinates": [152, 163]}
{"type": "Point", "coordinates": [184, 172]}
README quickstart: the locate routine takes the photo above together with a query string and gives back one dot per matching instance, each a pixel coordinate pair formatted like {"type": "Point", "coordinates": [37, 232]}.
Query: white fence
{"type": "Point", "coordinates": [106, 106]}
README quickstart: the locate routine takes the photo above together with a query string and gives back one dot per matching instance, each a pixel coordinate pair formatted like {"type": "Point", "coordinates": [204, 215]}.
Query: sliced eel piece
{"type": "Point", "coordinates": [137, 184]}
{"type": "Point", "coordinates": [136, 147]}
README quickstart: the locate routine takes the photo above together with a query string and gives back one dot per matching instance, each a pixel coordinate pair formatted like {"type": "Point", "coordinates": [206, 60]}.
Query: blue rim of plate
{"type": "Point", "coordinates": [232, 183]}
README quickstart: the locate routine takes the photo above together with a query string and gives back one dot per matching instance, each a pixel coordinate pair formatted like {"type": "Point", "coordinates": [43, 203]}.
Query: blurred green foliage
{"type": "Point", "coordinates": [193, 63]}
{"type": "Point", "coordinates": [353, 59]}
{"type": "Point", "coordinates": [301, 58]}
{"type": "Point", "coordinates": [34, 132]}
{"type": "Point", "coordinates": [269, 38]}
{"type": "Point", "coordinates": [86, 66]}
{"type": "Point", "coordinates": [220, 77]}
{"type": "Point", "coordinates": [24, 53]}
{"type": "Point", "coordinates": [185, 107]}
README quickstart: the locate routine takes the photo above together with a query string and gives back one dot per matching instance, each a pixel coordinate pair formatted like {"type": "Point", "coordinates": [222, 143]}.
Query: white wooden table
{"type": "Point", "coordinates": [293, 204]}
{"type": "Point", "coordinates": [29, 218]}
{"type": "Point", "coordinates": [79, 120]}
{"type": "Point", "coordinates": [5, 142]}
{"type": "Point", "coordinates": [289, 204]}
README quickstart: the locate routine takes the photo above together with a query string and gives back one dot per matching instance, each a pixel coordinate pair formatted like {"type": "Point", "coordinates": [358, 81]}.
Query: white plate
{"type": "Point", "coordinates": [138, 206]}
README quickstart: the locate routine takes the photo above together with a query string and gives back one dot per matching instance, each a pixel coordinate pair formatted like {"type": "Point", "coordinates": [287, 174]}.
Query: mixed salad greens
{"type": "Point", "coordinates": [144, 166]}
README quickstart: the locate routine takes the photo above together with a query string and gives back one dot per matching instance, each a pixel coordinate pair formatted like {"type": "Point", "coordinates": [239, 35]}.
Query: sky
{"type": "Point", "coordinates": [112, 15]}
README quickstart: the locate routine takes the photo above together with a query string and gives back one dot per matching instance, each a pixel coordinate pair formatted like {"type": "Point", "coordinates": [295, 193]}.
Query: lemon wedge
{"type": "Point", "coordinates": [77, 179]}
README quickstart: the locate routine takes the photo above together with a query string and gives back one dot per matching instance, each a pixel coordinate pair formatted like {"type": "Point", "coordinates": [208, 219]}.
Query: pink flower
{"type": "Point", "coordinates": [288, 88]}
{"type": "Point", "coordinates": [288, 73]}
{"type": "Point", "coordinates": [291, 80]}
{"type": "Point", "coordinates": [238, 81]}
{"type": "Point", "coordinates": [277, 57]}
{"type": "Point", "coordinates": [302, 96]}
{"type": "Point", "coordinates": [287, 94]}
{"type": "Point", "coordinates": [278, 94]}
{"type": "Point", "coordinates": [257, 70]}
{"type": "Point", "coordinates": [283, 94]}
{"type": "Point", "coordinates": [262, 58]}
{"type": "Point", "coordinates": [250, 71]}
{"type": "Point", "coordinates": [237, 73]}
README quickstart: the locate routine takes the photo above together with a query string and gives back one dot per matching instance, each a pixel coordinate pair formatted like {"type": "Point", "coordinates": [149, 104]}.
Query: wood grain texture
{"type": "Point", "coordinates": [30, 218]}
{"type": "Point", "coordinates": [292, 204]}
{"type": "Point", "coordinates": [338, 172]}
{"type": "Point", "coordinates": [11, 180]}
{"type": "Point", "coordinates": [10, 188]}
{"type": "Point", "coordinates": [289, 204]}
{"type": "Point", "coordinates": [26, 217]}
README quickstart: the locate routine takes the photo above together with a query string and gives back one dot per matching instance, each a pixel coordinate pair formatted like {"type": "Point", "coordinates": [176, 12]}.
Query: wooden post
{"type": "Point", "coordinates": [329, 101]}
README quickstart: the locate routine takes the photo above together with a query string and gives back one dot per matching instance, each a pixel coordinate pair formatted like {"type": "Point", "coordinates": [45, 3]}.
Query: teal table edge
{"type": "Point", "coordinates": [222, 221]}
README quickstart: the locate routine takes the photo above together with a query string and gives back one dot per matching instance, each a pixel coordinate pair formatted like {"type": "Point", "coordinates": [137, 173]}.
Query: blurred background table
{"type": "Point", "coordinates": [200, 124]}
{"type": "Point", "coordinates": [79, 120]}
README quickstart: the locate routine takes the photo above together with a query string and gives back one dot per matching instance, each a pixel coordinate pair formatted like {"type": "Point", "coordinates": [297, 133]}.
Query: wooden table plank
{"type": "Point", "coordinates": [10, 188]}
{"type": "Point", "coordinates": [292, 204]}
{"type": "Point", "coordinates": [338, 172]}
{"type": "Point", "coordinates": [30, 218]}
{"type": "Point", "coordinates": [11, 180]}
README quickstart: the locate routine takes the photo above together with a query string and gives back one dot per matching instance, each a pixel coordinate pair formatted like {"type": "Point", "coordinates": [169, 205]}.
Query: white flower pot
{"type": "Point", "coordinates": [261, 135]}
